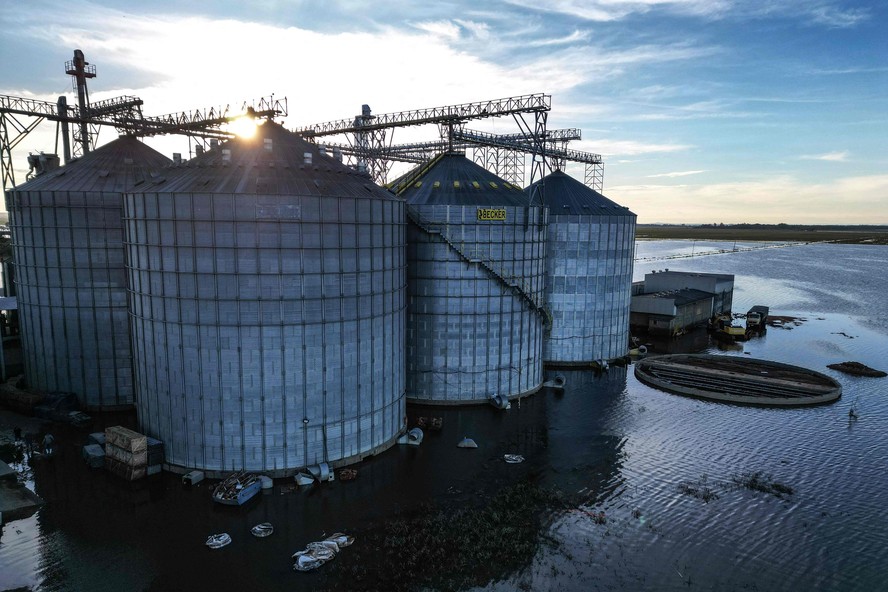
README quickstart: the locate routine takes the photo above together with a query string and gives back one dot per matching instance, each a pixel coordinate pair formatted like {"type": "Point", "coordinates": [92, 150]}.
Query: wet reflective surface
{"type": "Point", "coordinates": [625, 459]}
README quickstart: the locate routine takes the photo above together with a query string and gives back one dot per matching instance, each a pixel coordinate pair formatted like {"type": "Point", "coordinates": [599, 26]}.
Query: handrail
{"type": "Point", "coordinates": [512, 282]}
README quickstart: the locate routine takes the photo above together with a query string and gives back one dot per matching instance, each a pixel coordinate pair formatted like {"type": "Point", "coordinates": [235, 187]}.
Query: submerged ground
{"type": "Point", "coordinates": [623, 487]}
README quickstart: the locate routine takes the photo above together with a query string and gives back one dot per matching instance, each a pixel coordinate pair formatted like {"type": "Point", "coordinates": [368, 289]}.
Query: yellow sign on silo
{"type": "Point", "coordinates": [495, 214]}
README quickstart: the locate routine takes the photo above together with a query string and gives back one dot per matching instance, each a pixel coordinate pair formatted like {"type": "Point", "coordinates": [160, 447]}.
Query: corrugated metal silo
{"type": "Point", "coordinates": [476, 267]}
{"type": "Point", "coordinates": [268, 307]}
{"type": "Point", "coordinates": [70, 275]}
{"type": "Point", "coordinates": [589, 280]}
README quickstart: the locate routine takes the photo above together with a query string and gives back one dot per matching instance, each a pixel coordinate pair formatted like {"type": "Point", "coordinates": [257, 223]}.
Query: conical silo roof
{"type": "Point", "coordinates": [274, 161]}
{"type": "Point", "coordinates": [565, 195]}
{"type": "Point", "coordinates": [453, 179]}
{"type": "Point", "coordinates": [114, 168]}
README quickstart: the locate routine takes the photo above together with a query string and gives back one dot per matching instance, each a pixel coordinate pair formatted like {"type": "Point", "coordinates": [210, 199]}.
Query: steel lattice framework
{"type": "Point", "coordinates": [369, 146]}
{"type": "Point", "coordinates": [503, 154]}
{"type": "Point", "coordinates": [369, 141]}
{"type": "Point", "coordinates": [19, 116]}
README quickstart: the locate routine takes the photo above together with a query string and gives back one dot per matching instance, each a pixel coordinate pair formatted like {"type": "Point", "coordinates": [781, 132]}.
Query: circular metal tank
{"type": "Point", "coordinates": [70, 277]}
{"type": "Point", "coordinates": [268, 307]}
{"type": "Point", "coordinates": [591, 247]}
{"type": "Point", "coordinates": [476, 268]}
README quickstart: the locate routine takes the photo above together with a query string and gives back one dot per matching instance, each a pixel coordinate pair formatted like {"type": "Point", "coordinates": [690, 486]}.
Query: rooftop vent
{"type": "Point", "coordinates": [198, 150]}
{"type": "Point", "coordinates": [306, 156]}
{"type": "Point", "coordinates": [269, 144]}
{"type": "Point", "coordinates": [337, 154]}
{"type": "Point", "coordinates": [226, 155]}
{"type": "Point", "coordinates": [177, 158]}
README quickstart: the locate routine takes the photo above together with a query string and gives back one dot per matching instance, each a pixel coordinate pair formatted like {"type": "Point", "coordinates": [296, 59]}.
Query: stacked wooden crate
{"type": "Point", "coordinates": [94, 455]}
{"type": "Point", "coordinates": [126, 453]}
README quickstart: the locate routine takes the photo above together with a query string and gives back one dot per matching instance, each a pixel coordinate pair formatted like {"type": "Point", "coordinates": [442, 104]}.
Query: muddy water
{"type": "Point", "coordinates": [620, 456]}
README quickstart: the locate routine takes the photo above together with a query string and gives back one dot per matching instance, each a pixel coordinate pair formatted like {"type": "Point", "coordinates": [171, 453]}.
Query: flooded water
{"type": "Point", "coordinates": [628, 464]}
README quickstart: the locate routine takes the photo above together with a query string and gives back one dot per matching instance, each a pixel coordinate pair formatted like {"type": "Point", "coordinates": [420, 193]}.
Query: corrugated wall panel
{"type": "Point", "coordinates": [281, 350]}
{"type": "Point", "coordinates": [68, 248]}
{"type": "Point", "coordinates": [589, 287]}
{"type": "Point", "coordinates": [470, 334]}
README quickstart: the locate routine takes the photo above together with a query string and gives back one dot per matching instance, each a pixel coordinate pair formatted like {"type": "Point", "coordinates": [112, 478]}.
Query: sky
{"type": "Point", "coordinates": [705, 111]}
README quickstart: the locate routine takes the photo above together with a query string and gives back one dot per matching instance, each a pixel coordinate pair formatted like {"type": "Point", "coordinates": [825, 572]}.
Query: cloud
{"type": "Point", "coordinates": [575, 66]}
{"type": "Point", "coordinates": [574, 37]}
{"type": "Point", "coordinates": [446, 29]}
{"type": "Point", "coordinates": [837, 18]}
{"type": "Point", "coordinates": [675, 174]}
{"type": "Point", "coordinates": [829, 156]}
{"type": "Point", "coordinates": [478, 30]}
{"type": "Point", "coordinates": [848, 70]}
{"type": "Point", "coordinates": [783, 198]}
{"type": "Point", "coordinates": [626, 147]}
{"type": "Point", "coordinates": [699, 110]}
{"type": "Point", "coordinates": [612, 10]}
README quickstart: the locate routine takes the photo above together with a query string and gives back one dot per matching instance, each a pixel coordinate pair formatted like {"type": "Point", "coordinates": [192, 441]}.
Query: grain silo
{"type": "Point", "coordinates": [268, 297]}
{"type": "Point", "coordinates": [70, 276]}
{"type": "Point", "coordinates": [591, 248]}
{"type": "Point", "coordinates": [476, 267]}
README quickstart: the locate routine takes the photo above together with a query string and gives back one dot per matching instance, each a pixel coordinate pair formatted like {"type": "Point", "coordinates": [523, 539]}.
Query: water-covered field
{"type": "Point", "coordinates": [623, 487]}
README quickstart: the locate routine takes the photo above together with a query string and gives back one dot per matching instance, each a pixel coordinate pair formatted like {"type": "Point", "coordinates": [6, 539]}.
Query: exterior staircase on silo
{"type": "Point", "coordinates": [517, 285]}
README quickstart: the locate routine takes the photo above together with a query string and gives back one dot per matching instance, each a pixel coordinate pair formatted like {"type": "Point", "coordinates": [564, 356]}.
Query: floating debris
{"type": "Point", "coordinates": [348, 474]}
{"type": "Point", "coordinates": [303, 479]}
{"type": "Point", "coordinates": [513, 459]}
{"type": "Point", "coordinates": [413, 437]}
{"type": "Point", "coordinates": [317, 553]}
{"type": "Point", "coordinates": [342, 540]}
{"type": "Point", "coordinates": [467, 443]}
{"type": "Point", "coordinates": [312, 557]}
{"type": "Point", "coordinates": [557, 382]}
{"type": "Point", "coordinates": [262, 530]}
{"type": "Point", "coordinates": [431, 423]}
{"type": "Point", "coordinates": [500, 401]}
{"type": "Point", "coordinates": [237, 489]}
{"type": "Point", "coordinates": [217, 541]}
{"type": "Point", "coordinates": [321, 472]}
{"type": "Point", "coordinates": [857, 369]}
{"type": "Point", "coordinates": [843, 334]}
{"type": "Point", "coordinates": [192, 478]}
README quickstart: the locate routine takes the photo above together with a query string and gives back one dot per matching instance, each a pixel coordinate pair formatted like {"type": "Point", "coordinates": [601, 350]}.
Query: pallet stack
{"type": "Point", "coordinates": [126, 453]}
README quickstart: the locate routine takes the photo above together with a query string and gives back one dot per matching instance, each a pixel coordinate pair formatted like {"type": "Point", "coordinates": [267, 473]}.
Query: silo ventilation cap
{"type": "Point", "coordinates": [226, 155]}
{"type": "Point", "coordinates": [269, 144]}
{"type": "Point", "coordinates": [307, 157]}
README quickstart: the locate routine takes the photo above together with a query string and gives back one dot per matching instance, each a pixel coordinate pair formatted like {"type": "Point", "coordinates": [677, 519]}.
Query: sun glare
{"type": "Point", "coordinates": [244, 127]}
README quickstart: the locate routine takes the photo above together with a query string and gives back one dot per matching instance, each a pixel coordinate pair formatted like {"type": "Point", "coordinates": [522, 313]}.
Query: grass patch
{"type": "Point", "coordinates": [450, 548]}
{"type": "Point", "coordinates": [699, 489]}
{"type": "Point", "coordinates": [764, 483]}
